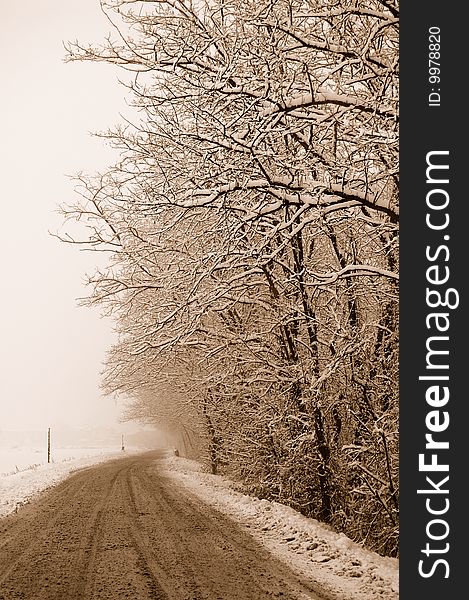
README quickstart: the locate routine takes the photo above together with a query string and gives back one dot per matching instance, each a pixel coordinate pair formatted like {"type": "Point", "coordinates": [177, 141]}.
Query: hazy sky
{"type": "Point", "coordinates": [51, 350]}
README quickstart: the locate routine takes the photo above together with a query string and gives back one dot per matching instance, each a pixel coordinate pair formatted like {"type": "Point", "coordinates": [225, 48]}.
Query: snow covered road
{"type": "Point", "coordinates": [92, 536]}
{"type": "Point", "coordinates": [121, 530]}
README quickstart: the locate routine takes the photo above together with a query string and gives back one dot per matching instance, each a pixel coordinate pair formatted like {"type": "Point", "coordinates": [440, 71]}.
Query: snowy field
{"type": "Point", "coordinates": [343, 569]}
{"type": "Point", "coordinates": [13, 460]}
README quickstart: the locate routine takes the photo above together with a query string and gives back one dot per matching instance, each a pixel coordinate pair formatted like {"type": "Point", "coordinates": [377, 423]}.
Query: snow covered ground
{"type": "Point", "coordinates": [13, 460]}
{"type": "Point", "coordinates": [343, 569]}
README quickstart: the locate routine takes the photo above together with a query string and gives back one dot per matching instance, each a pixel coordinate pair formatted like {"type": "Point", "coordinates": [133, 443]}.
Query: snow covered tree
{"type": "Point", "coordinates": [252, 222]}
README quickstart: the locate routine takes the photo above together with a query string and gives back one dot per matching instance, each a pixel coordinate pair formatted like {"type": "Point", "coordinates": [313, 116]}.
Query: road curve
{"type": "Point", "coordinates": [121, 530]}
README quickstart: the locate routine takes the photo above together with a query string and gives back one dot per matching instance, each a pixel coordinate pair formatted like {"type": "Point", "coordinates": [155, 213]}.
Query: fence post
{"type": "Point", "coordinates": [48, 445]}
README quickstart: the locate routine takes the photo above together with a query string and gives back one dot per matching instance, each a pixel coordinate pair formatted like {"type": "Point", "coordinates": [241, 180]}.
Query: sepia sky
{"type": "Point", "coordinates": [51, 350]}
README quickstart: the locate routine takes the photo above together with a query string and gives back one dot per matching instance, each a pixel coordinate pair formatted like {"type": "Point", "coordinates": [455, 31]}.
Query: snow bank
{"type": "Point", "coordinates": [332, 560]}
